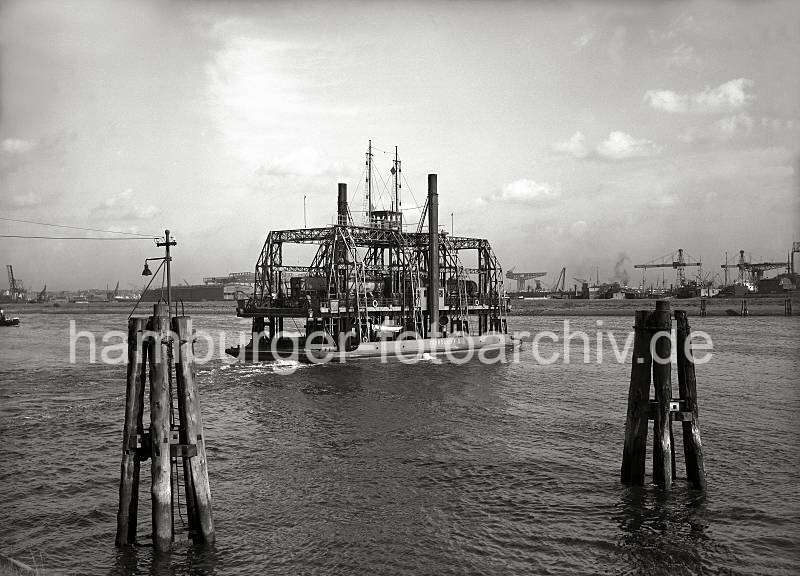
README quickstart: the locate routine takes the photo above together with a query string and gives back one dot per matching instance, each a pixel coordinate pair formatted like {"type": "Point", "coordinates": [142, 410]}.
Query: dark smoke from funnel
{"type": "Point", "coordinates": [620, 272]}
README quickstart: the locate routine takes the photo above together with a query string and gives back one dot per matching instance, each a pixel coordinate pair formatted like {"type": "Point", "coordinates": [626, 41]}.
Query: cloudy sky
{"type": "Point", "coordinates": [569, 134]}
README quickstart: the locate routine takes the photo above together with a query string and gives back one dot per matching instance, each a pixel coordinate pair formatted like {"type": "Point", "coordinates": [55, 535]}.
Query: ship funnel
{"type": "Point", "coordinates": [341, 210]}
{"type": "Point", "coordinates": [433, 256]}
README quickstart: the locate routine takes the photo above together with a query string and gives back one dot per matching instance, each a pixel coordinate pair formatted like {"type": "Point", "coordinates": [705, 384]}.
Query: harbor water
{"type": "Point", "coordinates": [430, 468]}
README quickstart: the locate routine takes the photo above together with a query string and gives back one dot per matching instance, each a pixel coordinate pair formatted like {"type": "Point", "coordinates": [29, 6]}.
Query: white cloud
{"type": "Point", "coordinates": [574, 146]}
{"type": "Point", "coordinates": [525, 191]}
{"type": "Point", "coordinates": [305, 161]}
{"type": "Point", "coordinates": [682, 56]}
{"type": "Point", "coordinates": [690, 135]}
{"type": "Point", "coordinates": [16, 145]}
{"type": "Point", "coordinates": [667, 100]}
{"type": "Point", "coordinates": [123, 206]}
{"type": "Point", "coordinates": [724, 129]}
{"type": "Point", "coordinates": [777, 124]}
{"type": "Point", "coordinates": [583, 40]}
{"type": "Point", "coordinates": [732, 125]}
{"type": "Point", "coordinates": [730, 96]}
{"type": "Point", "coordinates": [620, 146]}
{"type": "Point", "coordinates": [680, 26]}
{"type": "Point", "coordinates": [578, 228]}
{"type": "Point", "coordinates": [261, 90]}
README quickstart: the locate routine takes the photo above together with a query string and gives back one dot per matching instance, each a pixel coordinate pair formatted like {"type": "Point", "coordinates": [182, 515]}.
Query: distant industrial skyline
{"type": "Point", "coordinates": [578, 134]}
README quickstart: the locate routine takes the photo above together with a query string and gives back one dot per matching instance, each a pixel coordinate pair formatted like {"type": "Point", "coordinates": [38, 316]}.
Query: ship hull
{"type": "Point", "coordinates": [406, 350]}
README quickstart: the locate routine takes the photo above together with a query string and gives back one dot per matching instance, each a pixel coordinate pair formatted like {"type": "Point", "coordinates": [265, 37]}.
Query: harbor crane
{"type": "Point", "coordinates": [522, 277]}
{"type": "Point", "coordinates": [754, 271]}
{"type": "Point", "coordinates": [741, 265]}
{"type": "Point", "coordinates": [42, 296]}
{"type": "Point", "coordinates": [13, 283]}
{"type": "Point", "coordinates": [560, 281]}
{"type": "Point", "coordinates": [677, 260]}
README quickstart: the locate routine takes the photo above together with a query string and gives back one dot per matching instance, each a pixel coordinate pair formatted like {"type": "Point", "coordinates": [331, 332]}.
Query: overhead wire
{"type": "Point", "coordinates": [71, 237]}
{"type": "Point", "coordinates": [18, 220]}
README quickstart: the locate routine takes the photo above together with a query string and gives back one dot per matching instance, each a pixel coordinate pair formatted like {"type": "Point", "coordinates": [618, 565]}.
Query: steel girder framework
{"type": "Point", "coordinates": [386, 252]}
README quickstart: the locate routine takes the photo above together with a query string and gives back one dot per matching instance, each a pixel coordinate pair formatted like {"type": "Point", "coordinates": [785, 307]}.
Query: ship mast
{"type": "Point", "coordinates": [726, 267]}
{"type": "Point", "coordinates": [397, 185]}
{"type": "Point", "coordinates": [369, 184]}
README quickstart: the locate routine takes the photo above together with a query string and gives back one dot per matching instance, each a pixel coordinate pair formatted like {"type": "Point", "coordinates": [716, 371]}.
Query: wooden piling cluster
{"type": "Point", "coordinates": [744, 310]}
{"type": "Point", "coordinates": [787, 304]}
{"type": "Point", "coordinates": [652, 356]}
{"type": "Point", "coordinates": [703, 306]}
{"type": "Point", "coordinates": [158, 343]}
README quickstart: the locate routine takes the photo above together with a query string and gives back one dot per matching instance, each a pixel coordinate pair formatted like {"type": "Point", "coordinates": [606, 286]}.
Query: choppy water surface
{"type": "Point", "coordinates": [437, 469]}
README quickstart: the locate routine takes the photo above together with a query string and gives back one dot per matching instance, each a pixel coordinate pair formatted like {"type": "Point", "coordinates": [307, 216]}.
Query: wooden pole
{"type": "Point", "coordinates": [160, 469]}
{"type": "Point", "coordinates": [687, 389]}
{"type": "Point", "coordinates": [635, 449]}
{"type": "Point", "coordinates": [183, 436]}
{"type": "Point", "coordinates": [660, 321]}
{"type": "Point", "coordinates": [198, 489]}
{"type": "Point", "coordinates": [672, 449]}
{"type": "Point", "coordinates": [127, 515]}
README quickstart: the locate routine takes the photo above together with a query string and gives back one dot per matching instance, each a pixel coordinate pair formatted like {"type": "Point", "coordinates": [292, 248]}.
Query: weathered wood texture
{"type": "Point", "coordinates": [127, 514]}
{"type": "Point", "coordinates": [635, 449]}
{"type": "Point", "coordinates": [198, 490]}
{"type": "Point", "coordinates": [687, 386]}
{"type": "Point", "coordinates": [160, 468]}
{"type": "Point", "coordinates": [660, 324]}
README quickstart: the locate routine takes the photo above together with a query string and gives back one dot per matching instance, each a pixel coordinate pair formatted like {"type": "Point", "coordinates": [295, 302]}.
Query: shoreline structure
{"type": "Point", "coordinates": [757, 306]}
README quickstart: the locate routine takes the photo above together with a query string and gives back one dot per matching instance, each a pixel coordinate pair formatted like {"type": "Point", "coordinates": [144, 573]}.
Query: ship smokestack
{"type": "Point", "coordinates": [342, 204]}
{"type": "Point", "coordinates": [433, 256]}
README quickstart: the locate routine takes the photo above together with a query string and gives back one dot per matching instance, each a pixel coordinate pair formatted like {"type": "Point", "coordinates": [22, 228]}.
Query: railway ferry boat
{"type": "Point", "coordinates": [374, 288]}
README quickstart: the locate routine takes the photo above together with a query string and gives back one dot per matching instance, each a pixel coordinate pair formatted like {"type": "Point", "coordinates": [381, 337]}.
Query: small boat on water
{"type": "Point", "coordinates": [8, 321]}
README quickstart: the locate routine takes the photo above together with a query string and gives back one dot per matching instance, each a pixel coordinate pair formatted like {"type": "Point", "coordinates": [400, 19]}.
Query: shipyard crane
{"type": "Point", "coordinates": [741, 265]}
{"type": "Point", "coordinates": [12, 283]}
{"type": "Point", "coordinates": [754, 271]}
{"type": "Point", "coordinates": [42, 296]}
{"type": "Point", "coordinates": [677, 260]}
{"type": "Point", "coordinates": [757, 269]}
{"type": "Point", "coordinates": [560, 281]}
{"type": "Point", "coordinates": [522, 277]}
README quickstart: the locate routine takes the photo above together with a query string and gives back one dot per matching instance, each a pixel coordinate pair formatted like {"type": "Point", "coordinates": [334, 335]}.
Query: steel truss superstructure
{"type": "Point", "coordinates": [372, 273]}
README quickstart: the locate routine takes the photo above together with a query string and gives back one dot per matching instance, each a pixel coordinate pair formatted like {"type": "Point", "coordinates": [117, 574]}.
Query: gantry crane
{"type": "Point", "coordinates": [677, 260]}
{"type": "Point", "coordinates": [522, 277]}
{"type": "Point", "coordinates": [741, 265]}
{"type": "Point", "coordinates": [754, 271]}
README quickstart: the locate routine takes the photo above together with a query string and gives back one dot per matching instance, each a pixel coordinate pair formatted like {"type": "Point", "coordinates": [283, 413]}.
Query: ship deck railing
{"type": "Point", "coordinates": [252, 309]}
